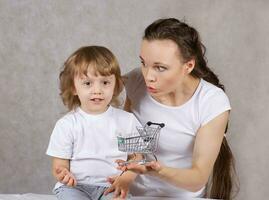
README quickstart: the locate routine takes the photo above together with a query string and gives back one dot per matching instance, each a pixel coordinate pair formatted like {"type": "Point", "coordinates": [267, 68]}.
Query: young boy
{"type": "Point", "coordinates": [83, 143]}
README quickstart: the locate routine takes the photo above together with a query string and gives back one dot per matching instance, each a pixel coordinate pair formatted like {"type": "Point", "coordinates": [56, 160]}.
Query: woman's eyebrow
{"type": "Point", "coordinates": [155, 63]}
{"type": "Point", "coordinates": [159, 63]}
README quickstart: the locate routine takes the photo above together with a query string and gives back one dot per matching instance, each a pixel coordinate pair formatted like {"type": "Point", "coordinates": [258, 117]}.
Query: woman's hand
{"type": "Point", "coordinates": [63, 175]}
{"type": "Point", "coordinates": [151, 168]}
{"type": "Point", "coordinates": [119, 185]}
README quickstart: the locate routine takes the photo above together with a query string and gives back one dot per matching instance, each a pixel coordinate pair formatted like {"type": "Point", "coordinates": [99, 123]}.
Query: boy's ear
{"type": "Point", "coordinates": [74, 92]}
{"type": "Point", "coordinates": [118, 87]}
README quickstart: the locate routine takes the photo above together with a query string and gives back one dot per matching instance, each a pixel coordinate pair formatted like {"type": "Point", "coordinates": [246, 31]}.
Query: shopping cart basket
{"type": "Point", "coordinates": [145, 141]}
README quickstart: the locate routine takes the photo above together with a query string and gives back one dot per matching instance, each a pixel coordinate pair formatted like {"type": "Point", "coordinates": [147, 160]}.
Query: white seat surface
{"type": "Point", "coordinates": [31, 196]}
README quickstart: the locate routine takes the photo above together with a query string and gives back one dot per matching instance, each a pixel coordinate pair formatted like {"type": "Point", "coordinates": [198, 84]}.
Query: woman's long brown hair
{"type": "Point", "coordinates": [190, 46]}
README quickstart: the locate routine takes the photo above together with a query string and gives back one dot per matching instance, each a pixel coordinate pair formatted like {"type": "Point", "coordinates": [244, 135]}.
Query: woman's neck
{"type": "Point", "coordinates": [182, 94]}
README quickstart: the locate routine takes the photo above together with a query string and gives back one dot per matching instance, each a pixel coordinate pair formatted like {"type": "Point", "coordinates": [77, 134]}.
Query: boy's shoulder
{"type": "Point", "coordinates": [69, 118]}
{"type": "Point", "coordinates": [121, 112]}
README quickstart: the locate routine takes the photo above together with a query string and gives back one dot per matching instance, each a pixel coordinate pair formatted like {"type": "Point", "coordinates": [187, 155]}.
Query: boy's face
{"type": "Point", "coordinates": [94, 92]}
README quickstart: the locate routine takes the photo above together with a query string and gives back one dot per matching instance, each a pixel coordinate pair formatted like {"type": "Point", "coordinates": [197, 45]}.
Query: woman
{"type": "Point", "coordinates": [175, 86]}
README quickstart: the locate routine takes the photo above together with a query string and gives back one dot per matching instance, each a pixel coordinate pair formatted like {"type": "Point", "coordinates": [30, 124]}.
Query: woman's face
{"type": "Point", "coordinates": [162, 67]}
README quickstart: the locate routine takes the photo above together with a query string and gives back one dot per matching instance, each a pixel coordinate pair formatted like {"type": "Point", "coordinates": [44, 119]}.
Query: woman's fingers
{"type": "Point", "coordinates": [110, 189]}
{"type": "Point", "coordinates": [119, 161]}
{"type": "Point", "coordinates": [111, 179]}
{"type": "Point", "coordinates": [137, 168]}
{"type": "Point", "coordinates": [123, 193]}
{"type": "Point", "coordinates": [116, 192]}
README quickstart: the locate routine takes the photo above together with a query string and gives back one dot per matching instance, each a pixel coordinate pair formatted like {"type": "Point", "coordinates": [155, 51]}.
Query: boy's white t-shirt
{"type": "Point", "coordinates": [177, 138]}
{"type": "Point", "coordinates": [90, 143]}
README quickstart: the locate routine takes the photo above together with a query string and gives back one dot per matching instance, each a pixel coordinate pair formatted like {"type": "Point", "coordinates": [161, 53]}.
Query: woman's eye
{"type": "Point", "coordinates": [160, 68]}
{"type": "Point", "coordinates": [143, 64]}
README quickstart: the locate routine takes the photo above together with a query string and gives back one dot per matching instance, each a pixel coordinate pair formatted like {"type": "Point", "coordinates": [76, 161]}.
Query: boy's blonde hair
{"type": "Point", "coordinates": [100, 59]}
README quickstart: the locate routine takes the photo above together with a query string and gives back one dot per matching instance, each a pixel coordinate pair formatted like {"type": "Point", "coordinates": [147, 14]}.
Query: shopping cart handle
{"type": "Point", "coordinates": [158, 124]}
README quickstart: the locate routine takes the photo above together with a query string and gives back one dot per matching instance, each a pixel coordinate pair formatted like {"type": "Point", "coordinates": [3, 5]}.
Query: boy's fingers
{"type": "Point", "coordinates": [66, 179]}
{"type": "Point", "coordinates": [72, 177]}
{"type": "Point", "coordinates": [61, 176]}
{"type": "Point", "coordinates": [70, 182]}
{"type": "Point", "coordinates": [63, 173]}
{"type": "Point", "coordinates": [58, 170]}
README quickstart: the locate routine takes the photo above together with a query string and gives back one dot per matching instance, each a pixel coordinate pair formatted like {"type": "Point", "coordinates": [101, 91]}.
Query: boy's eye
{"type": "Point", "coordinates": [106, 82]}
{"type": "Point", "coordinates": [87, 83]}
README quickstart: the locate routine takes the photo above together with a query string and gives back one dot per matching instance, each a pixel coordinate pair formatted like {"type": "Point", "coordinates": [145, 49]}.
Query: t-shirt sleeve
{"type": "Point", "coordinates": [61, 140]}
{"type": "Point", "coordinates": [214, 105]}
{"type": "Point", "coordinates": [135, 123]}
{"type": "Point", "coordinates": [131, 82]}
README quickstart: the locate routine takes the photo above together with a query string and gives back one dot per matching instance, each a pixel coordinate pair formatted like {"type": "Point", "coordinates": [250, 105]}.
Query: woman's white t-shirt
{"type": "Point", "coordinates": [177, 138]}
{"type": "Point", "coordinates": [90, 143]}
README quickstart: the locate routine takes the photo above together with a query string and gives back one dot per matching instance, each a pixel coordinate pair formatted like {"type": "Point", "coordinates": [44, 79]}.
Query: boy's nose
{"type": "Point", "coordinates": [97, 89]}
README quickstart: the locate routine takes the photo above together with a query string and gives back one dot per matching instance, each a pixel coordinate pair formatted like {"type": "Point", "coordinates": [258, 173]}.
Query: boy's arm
{"type": "Point", "coordinates": [61, 171]}
{"type": "Point", "coordinates": [130, 175]}
{"type": "Point", "coordinates": [120, 184]}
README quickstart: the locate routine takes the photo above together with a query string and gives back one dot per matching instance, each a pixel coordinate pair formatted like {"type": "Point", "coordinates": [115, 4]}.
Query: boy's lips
{"type": "Point", "coordinates": [96, 99]}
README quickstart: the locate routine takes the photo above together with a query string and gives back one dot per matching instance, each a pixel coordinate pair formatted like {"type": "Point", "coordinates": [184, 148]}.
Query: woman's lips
{"type": "Point", "coordinates": [151, 90]}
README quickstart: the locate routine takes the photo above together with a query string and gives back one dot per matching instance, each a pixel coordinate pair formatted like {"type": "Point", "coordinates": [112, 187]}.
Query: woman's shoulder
{"type": "Point", "coordinates": [209, 90]}
{"type": "Point", "coordinates": [212, 101]}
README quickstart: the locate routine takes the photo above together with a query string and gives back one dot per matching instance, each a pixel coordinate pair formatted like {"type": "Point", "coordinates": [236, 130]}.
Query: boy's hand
{"type": "Point", "coordinates": [120, 186]}
{"type": "Point", "coordinates": [63, 175]}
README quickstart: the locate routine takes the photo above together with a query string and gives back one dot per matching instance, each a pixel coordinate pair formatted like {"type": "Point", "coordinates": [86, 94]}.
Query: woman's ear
{"type": "Point", "coordinates": [189, 66]}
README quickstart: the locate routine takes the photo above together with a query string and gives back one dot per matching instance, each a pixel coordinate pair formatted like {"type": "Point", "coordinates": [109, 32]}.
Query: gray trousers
{"type": "Point", "coordinates": [82, 192]}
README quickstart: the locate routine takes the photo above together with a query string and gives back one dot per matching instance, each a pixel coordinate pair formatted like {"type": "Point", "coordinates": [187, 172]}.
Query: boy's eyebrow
{"type": "Point", "coordinates": [101, 77]}
{"type": "Point", "coordinates": [107, 78]}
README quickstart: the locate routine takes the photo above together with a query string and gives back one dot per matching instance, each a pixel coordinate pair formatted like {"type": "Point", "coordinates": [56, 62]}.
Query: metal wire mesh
{"type": "Point", "coordinates": [145, 141]}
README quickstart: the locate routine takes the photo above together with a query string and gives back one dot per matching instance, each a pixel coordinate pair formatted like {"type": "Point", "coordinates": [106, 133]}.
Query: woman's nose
{"type": "Point", "coordinates": [150, 76]}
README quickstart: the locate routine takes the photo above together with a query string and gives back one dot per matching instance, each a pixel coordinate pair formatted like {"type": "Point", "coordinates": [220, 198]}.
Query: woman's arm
{"type": "Point", "coordinates": [61, 171]}
{"type": "Point", "coordinates": [206, 148]}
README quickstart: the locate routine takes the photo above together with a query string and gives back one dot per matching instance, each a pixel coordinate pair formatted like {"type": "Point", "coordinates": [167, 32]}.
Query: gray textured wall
{"type": "Point", "coordinates": [37, 36]}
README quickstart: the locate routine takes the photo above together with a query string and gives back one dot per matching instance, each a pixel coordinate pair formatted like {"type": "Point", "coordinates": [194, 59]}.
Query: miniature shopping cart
{"type": "Point", "coordinates": [145, 141]}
